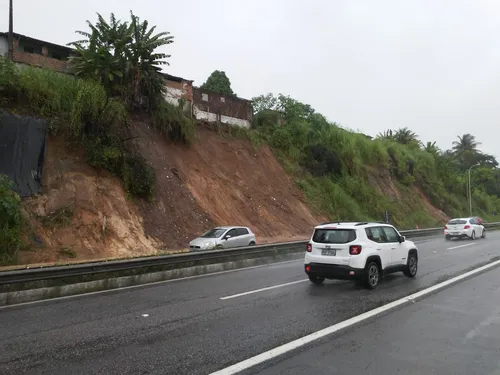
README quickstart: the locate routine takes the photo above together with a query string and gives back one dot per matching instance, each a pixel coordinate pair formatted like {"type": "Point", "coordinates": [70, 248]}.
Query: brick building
{"type": "Point", "coordinates": [37, 52]}
{"type": "Point", "coordinates": [210, 106]}
{"type": "Point", "coordinates": [202, 104]}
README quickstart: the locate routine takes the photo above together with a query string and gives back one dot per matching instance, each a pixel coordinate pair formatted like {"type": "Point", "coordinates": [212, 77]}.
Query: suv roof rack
{"type": "Point", "coordinates": [331, 222]}
{"type": "Point", "coordinates": [370, 222]}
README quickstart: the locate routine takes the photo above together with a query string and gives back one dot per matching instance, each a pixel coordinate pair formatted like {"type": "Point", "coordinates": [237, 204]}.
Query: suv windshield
{"type": "Point", "coordinates": [213, 233]}
{"type": "Point", "coordinates": [334, 235]}
{"type": "Point", "coordinates": [457, 222]}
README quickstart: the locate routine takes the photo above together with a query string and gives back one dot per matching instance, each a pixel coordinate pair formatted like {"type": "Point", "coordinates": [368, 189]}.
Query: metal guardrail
{"type": "Point", "coordinates": [176, 260]}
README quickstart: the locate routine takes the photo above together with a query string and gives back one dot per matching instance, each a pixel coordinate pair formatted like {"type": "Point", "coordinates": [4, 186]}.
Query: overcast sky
{"type": "Point", "coordinates": [430, 65]}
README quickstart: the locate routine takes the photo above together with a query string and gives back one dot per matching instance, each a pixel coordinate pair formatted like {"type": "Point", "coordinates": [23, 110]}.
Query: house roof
{"type": "Point", "coordinates": [37, 41]}
{"type": "Point", "coordinates": [175, 78]}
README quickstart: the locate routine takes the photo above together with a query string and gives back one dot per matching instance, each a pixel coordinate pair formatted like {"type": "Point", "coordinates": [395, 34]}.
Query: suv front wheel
{"type": "Point", "coordinates": [372, 276]}
{"type": "Point", "coordinates": [411, 265]}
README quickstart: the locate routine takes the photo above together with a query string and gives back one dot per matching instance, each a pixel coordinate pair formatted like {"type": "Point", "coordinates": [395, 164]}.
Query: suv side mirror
{"type": "Point", "coordinates": [402, 239]}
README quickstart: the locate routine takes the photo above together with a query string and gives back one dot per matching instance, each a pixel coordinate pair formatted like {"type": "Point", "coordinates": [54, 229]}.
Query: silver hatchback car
{"type": "Point", "coordinates": [224, 238]}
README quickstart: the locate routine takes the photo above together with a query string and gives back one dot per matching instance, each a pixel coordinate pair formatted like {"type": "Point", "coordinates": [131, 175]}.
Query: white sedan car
{"type": "Point", "coordinates": [224, 238]}
{"type": "Point", "coordinates": [464, 228]}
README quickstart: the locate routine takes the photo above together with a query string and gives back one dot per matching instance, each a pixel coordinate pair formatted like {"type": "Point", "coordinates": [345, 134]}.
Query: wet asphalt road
{"type": "Point", "coordinates": [456, 331]}
{"type": "Point", "coordinates": [183, 327]}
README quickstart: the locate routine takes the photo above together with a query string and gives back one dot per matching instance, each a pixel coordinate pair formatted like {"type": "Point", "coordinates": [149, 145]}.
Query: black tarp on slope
{"type": "Point", "coordinates": [22, 151]}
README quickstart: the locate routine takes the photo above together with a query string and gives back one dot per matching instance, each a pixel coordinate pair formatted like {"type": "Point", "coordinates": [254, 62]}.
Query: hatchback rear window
{"type": "Point", "coordinates": [457, 222]}
{"type": "Point", "coordinates": [334, 235]}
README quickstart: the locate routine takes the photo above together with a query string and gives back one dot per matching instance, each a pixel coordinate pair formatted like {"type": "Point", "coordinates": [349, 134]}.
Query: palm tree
{"type": "Point", "coordinates": [121, 55]}
{"type": "Point", "coordinates": [431, 148]}
{"type": "Point", "coordinates": [465, 143]}
{"type": "Point", "coordinates": [387, 134]}
{"type": "Point", "coordinates": [102, 54]}
{"type": "Point", "coordinates": [405, 136]}
{"type": "Point", "coordinates": [143, 62]}
{"type": "Point", "coordinates": [465, 150]}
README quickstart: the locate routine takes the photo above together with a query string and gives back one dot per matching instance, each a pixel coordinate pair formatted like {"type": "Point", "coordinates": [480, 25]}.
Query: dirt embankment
{"type": "Point", "coordinates": [229, 181]}
{"type": "Point", "coordinates": [84, 213]}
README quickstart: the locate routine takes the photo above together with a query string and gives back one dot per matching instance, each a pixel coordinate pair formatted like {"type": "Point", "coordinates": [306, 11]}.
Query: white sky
{"type": "Point", "coordinates": [430, 65]}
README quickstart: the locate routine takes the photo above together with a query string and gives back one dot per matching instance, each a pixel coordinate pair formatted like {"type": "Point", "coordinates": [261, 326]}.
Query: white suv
{"type": "Point", "coordinates": [358, 251]}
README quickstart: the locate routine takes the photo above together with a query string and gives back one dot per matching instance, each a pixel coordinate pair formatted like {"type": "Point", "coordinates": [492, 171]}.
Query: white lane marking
{"type": "Point", "coordinates": [263, 289]}
{"type": "Point", "coordinates": [458, 247]}
{"type": "Point", "coordinates": [273, 353]}
{"type": "Point", "coordinates": [145, 315]}
{"type": "Point", "coordinates": [82, 295]}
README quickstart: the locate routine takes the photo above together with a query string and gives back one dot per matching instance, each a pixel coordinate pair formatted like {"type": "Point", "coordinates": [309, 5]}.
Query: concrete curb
{"type": "Point", "coordinates": [57, 291]}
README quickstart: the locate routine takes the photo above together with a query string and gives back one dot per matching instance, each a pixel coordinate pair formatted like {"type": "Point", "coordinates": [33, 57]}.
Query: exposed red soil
{"type": "Point", "coordinates": [104, 222]}
{"type": "Point", "coordinates": [435, 212]}
{"type": "Point", "coordinates": [228, 179]}
{"type": "Point", "coordinates": [216, 181]}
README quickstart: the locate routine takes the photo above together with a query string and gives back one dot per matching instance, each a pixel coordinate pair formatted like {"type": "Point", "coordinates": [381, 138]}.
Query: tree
{"type": "Point", "coordinates": [466, 142]}
{"type": "Point", "coordinates": [218, 82]}
{"type": "Point", "coordinates": [386, 134]}
{"type": "Point", "coordinates": [465, 150]}
{"type": "Point", "coordinates": [431, 148]}
{"type": "Point", "coordinates": [121, 55]}
{"type": "Point", "coordinates": [405, 136]}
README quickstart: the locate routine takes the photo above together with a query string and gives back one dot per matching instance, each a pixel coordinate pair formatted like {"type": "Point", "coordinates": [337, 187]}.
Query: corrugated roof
{"type": "Point", "coordinates": [37, 41]}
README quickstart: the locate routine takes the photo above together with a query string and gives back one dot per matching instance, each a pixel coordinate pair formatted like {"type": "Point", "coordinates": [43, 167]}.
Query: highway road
{"type": "Point", "coordinates": [455, 332]}
{"type": "Point", "coordinates": [204, 324]}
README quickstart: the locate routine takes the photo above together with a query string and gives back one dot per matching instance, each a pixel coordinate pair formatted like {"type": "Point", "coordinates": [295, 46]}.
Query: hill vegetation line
{"type": "Point", "coordinates": [343, 174]}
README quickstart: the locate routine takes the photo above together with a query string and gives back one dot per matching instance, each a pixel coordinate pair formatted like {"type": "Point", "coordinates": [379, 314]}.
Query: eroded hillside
{"type": "Point", "coordinates": [118, 185]}
{"type": "Point", "coordinates": [83, 213]}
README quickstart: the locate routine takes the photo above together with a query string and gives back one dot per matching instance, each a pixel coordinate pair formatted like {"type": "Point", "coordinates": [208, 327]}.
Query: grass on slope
{"type": "Point", "coordinates": [337, 169]}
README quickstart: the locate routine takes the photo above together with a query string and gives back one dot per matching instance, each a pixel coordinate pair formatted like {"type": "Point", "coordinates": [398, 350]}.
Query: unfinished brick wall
{"type": "Point", "coordinates": [42, 61]}
{"type": "Point", "coordinates": [180, 90]}
{"type": "Point", "coordinates": [35, 59]}
{"type": "Point", "coordinates": [222, 105]}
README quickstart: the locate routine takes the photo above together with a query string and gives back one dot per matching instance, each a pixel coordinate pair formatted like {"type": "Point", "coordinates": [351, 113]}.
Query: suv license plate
{"type": "Point", "coordinates": [331, 252]}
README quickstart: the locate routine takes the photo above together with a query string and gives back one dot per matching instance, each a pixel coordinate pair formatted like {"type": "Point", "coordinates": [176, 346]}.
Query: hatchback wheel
{"type": "Point", "coordinates": [372, 275]}
{"type": "Point", "coordinates": [473, 235]}
{"type": "Point", "coordinates": [483, 235]}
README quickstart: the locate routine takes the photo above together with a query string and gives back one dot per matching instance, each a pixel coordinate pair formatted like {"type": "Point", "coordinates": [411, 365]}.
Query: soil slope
{"type": "Point", "coordinates": [216, 181]}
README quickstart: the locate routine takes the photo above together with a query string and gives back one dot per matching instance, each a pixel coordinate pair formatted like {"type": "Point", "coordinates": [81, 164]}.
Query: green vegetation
{"type": "Point", "coordinates": [122, 57]}
{"type": "Point", "coordinates": [117, 72]}
{"type": "Point", "coordinates": [11, 221]}
{"type": "Point", "coordinates": [218, 82]}
{"type": "Point", "coordinates": [67, 252]}
{"type": "Point", "coordinates": [349, 176]}
{"type": "Point", "coordinates": [58, 219]}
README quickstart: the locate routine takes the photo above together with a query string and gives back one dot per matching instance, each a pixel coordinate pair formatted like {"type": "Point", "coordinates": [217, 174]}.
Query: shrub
{"type": "Point", "coordinates": [172, 122]}
{"type": "Point", "coordinates": [139, 177]}
{"type": "Point", "coordinates": [10, 222]}
{"type": "Point", "coordinates": [81, 110]}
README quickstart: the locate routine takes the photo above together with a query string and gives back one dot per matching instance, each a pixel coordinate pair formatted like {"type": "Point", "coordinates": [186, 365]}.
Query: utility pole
{"type": "Point", "coordinates": [11, 32]}
{"type": "Point", "coordinates": [470, 190]}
